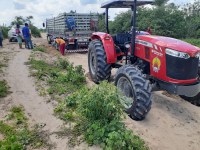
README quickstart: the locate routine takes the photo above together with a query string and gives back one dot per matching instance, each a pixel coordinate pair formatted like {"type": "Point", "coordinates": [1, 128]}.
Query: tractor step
{"type": "Point", "coordinates": [76, 51]}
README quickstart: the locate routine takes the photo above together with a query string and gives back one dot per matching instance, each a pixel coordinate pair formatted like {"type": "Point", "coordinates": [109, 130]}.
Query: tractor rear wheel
{"type": "Point", "coordinates": [194, 100]}
{"type": "Point", "coordinates": [136, 90]}
{"type": "Point", "coordinates": [97, 62]}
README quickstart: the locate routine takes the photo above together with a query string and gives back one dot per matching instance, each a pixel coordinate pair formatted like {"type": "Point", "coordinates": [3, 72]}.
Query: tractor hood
{"type": "Point", "coordinates": [171, 43]}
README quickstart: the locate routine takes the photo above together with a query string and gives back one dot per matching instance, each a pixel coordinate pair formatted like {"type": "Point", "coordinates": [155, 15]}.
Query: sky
{"type": "Point", "coordinates": [42, 9]}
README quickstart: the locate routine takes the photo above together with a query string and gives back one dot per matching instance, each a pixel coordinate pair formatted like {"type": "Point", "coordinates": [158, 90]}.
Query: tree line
{"type": "Point", "coordinates": [166, 19]}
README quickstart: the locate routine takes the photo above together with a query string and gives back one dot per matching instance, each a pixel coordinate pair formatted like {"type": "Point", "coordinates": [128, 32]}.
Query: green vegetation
{"type": "Point", "coordinates": [35, 31]}
{"type": "Point", "coordinates": [97, 115]}
{"type": "Point", "coordinates": [62, 77]}
{"type": "Point", "coordinates": [4, 89]}
{"type": "Point", "coordinates": [4, 31]}
{"type": "Point", "coordinates": [39, 48]}
{"type": "Point", "coordinates": [17, 135]}
{"type": "Point", "coordinates": [195, 42]}
{"type": "Point", "coordinates": [94, 115]}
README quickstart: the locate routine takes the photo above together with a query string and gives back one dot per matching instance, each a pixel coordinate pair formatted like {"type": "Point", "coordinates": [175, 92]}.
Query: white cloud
{"type": "Point", "coordinates": [42, 9]}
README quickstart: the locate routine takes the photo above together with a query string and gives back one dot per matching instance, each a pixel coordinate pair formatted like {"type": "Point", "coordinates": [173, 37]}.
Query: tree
{"type": "Point", "coordinates": [192, 16]}
{"type": "Point", "coordinates": [18, 20]}
{"type": "Point", "coordinates": [160, 2]}
{"type": "Point", "coordinates": [101, 23]}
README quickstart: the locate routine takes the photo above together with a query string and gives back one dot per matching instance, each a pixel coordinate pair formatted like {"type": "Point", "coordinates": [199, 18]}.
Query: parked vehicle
{"type": "Point", "coordinates": [146, 63]}
{"type": "Point", "coordinates": [74, 28]}
{"type": "Point", "coordinates": [12, 34]}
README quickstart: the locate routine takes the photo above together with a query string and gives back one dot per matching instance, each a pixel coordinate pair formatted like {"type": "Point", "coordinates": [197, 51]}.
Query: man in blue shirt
{"type": "Point", "coordinates": [27, 36]}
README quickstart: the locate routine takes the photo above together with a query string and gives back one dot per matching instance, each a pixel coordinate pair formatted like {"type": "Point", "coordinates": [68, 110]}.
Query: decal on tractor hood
{"type": "Point", "coordinates": [144, 43]}
{"type": "Point", "coordinates": [157, 53]}
{"type": "Point", "coordinates": [156, 64]}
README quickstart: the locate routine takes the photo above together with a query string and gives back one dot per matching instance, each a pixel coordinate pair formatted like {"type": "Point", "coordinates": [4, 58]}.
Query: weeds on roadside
{"type": "Point", "coordinates": [16, 133]}
{"type": "Point", "coordinates": [98, 115]}
{"type": "Point", "coordinates": [62, 77]}
{"type": "Point", "coordinates": [4, 89]}
{"type": "Point", "coordinates": [39, 48]}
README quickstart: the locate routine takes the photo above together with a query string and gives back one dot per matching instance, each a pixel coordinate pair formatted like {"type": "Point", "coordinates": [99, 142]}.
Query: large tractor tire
{"type": "Point", "coordinates": [97, 62]}
{"type": "Point", "coordinates": [136, 91]}
{"type": "Point", "coordinates": [194, 100]}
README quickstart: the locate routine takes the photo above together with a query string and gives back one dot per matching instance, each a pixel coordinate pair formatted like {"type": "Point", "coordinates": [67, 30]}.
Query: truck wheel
{"type": "Point", "coordinates": [136, 90]}
{"type": "Point", "coordinates": [194, 100]}
{"type": "Point", "coordinates": [98, 67]}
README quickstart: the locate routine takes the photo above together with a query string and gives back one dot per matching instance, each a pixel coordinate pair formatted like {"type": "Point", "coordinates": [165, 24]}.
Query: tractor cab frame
{"type": "Point", "coordinates": [126, 4]}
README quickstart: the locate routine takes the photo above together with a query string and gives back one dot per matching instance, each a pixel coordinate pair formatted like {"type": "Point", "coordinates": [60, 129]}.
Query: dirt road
{"type": "Point", "coordinates": [171, 124]}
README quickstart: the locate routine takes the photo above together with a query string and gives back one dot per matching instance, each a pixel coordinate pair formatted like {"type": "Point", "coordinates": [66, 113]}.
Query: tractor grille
{"type": "Point", "coordinates": [181, 69]}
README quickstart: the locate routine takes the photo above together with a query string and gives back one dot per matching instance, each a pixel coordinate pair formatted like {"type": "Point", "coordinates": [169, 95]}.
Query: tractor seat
{"type": "Point", "coordinates": [121, 38]}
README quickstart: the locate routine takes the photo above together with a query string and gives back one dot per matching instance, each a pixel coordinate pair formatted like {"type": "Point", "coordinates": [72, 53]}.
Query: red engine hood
{"type": "Point", "coordinates": [171, 43]}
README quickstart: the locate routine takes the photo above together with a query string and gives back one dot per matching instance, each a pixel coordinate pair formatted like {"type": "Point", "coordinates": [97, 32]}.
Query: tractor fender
{"type": "Point", "coordinates": [108, 45]}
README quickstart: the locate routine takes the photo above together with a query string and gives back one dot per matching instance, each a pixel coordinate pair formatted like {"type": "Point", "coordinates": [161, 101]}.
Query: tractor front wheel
{"type": "Point", "coordinates": [194, 100]}
{"type": "Point", "coordinates": [97, 62]}
{"type": "Point", "coordinates": [136, 91]}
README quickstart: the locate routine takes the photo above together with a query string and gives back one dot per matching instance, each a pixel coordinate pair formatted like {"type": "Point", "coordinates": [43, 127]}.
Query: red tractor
{"type": "Point", "coordinates": [146, 63]}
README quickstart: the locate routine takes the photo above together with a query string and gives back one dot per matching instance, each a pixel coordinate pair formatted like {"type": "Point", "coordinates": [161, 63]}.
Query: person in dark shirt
{"type": "Point", "coordinates": [1, 38]}
{"type": "Point", "coordinates": [27, 36]}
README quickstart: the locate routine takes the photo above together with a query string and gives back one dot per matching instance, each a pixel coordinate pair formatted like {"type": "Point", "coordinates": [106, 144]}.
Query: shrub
{"type": "Point", "coordinates": [195, 42]}
{"type": "Point", "coordinates": [35, 31]}
{"type": "Point", "coordinates": [3, 88]}
{"type": "Point", "coordinates": [39, 48]}
{"type": "Point", "coordinates": [4, 31]}
{"type": "Point", "coordinates": [99, 116]}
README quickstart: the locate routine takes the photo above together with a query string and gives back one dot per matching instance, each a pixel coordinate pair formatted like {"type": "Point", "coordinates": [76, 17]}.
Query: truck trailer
{"type": "Point", "coordinates": [75, 28]}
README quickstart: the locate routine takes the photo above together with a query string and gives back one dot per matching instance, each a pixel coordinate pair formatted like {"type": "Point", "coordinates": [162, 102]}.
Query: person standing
{"type": "Point", "coordinates": [1, 38]}
{"type": "Point", "coordinates": [19, 36]}
{"type": "Point", "coordinates": [27, 36]}
{"type": "Point", "coordinates": [61, 44]}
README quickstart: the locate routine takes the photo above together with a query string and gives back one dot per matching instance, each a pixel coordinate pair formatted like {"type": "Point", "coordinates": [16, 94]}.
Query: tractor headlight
{"type": "Point", "coordinates": [177, 53]}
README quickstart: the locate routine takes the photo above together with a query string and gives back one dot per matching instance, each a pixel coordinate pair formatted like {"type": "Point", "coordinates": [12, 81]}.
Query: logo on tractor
{"type": "Point", "coordinates": [156, 64]}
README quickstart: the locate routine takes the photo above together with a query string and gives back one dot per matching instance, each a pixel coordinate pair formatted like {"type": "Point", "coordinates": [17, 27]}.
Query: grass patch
{"type": "Point", "coordinates": [39, 48]}
{"type": "Point", "coordinates": [195, 42]}
{"type": "Point", "coordinates": [62, 77]}
{"type": "Point", "coordinates": [97, 115]}
{"type": "Point", "coordinates": [17, 135]}
{"type": "Point", "coordinates": [2, 65]}
{"type": "Point", "coordinates": [3, 89]}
